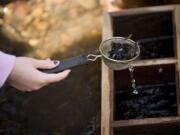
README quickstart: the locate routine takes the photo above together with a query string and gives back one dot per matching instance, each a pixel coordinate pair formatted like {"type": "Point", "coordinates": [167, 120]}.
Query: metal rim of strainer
{"type": "Point", "coordinates": [120, 61]}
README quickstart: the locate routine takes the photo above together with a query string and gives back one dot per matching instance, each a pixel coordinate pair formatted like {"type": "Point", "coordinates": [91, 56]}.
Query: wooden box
{"type": "Point", "coordinates": [160, 66]}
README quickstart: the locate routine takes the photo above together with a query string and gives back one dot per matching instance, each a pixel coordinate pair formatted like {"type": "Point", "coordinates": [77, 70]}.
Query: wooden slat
{"type": "Point", "coordinates": [147, 121]}
{"type": "Point", "coordinates": [143, 10]}
{"type": "Point", "coordinates": [108, 33]}
{"type": "Point", "coordinates": [153, 62]}
{"type": "Point", "coordinates": [177, 27]}
{"type": "Point", "coordinates": [107, 26]}
{"type": "Point", "coordinates": [106, 99]}
{"type": "Point", "coordinates": [106, 85]}
{"type": "Point", "coordinates": [109, 7]}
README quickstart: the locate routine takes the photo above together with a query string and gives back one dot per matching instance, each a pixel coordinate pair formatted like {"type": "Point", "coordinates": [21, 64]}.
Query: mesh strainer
{"type": "Point", "coordinates": [104, 49]}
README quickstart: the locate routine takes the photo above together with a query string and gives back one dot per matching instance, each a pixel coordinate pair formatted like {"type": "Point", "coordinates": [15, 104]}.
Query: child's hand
{"type": "Point", "coordinates": [25, 75]}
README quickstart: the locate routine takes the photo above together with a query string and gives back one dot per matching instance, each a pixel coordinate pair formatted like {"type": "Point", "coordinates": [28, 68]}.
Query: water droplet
{"type": "Point", "coordinates": [133, 85]}
{"type": "Point", "coordinates": [131, 69]}
{"type": "Point", "coordinates": [135, 92]}
{"type": "Point", "coordinates": [133, 81]}
{"type": "Point", "coordinates": [160, 70]}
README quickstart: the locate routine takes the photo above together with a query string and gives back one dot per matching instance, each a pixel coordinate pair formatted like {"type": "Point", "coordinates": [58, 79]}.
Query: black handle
{"type": "Point", "coordinates": [68, 64]}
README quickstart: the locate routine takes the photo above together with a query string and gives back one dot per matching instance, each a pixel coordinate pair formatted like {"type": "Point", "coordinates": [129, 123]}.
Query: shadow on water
{"type": "Point", "coordinates": [69, 107]}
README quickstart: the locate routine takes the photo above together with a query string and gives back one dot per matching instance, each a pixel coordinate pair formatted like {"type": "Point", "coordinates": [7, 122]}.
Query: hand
{"type": "Point", "coordinates": [25, 75]}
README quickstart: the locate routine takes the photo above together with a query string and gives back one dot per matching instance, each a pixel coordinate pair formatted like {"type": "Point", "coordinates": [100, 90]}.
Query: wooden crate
{"type": "Point", "coordinates": [153, 22]}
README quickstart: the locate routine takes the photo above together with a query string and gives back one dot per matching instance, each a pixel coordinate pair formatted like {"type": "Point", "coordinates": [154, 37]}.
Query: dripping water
{"type": "Point", "coordinates": [133, 81]}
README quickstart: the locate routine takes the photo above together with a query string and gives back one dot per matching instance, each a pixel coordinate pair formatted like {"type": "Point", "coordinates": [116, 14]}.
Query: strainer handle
{"type": "Point", "coordinates": [68, 64]}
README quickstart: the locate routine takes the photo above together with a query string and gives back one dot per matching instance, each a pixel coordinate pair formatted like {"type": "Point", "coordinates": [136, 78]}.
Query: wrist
{"type": "Point", "coordinates": [6, 65]}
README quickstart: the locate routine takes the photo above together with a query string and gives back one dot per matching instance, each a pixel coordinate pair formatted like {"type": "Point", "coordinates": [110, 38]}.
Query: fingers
{"type": "Point", "coordinates": [51, 78]}
{"type": "Point", "coordinates": [45, 64]}
{"type": "Point", "coordinates": [45, 79]}
{"type": "Point", "coordinates": [48, 78]}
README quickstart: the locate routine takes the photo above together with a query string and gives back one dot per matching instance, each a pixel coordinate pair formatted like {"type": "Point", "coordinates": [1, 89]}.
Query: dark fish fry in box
{"type": "Point", "coordinates": [122, 51]}
{"type": "Point", "coordinates": [151, 102]}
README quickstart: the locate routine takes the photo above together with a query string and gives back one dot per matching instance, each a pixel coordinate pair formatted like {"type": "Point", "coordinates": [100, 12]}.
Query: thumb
{"type": "Point", "coordinates": [45, 64]}
{"type": "Point", "coordinates": [51, 78]}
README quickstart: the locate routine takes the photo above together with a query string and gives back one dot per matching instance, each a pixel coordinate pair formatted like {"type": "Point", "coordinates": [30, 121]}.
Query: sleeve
{"type": "Point", "coordinates": [6, 65]}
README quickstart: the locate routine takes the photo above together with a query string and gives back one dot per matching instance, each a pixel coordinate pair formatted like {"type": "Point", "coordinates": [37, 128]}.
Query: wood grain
{"type": "Point", "coordinates": [147, 121]}
{"type": "Point", "coordinates": [107, 84]}
{"type": "Point", "coordinates": [153, 62]}
{"type": "Point", "coordinates": [177, 29]}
